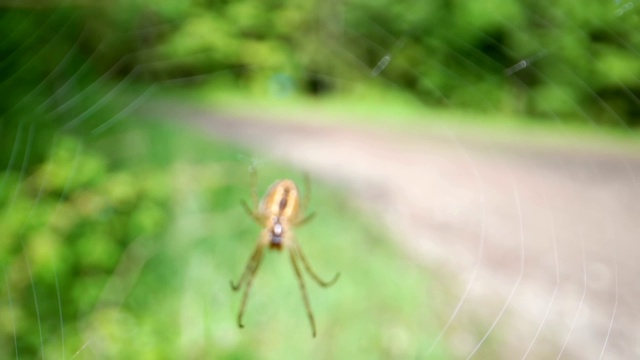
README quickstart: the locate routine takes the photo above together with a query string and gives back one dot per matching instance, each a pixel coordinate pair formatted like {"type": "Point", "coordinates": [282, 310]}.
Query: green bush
{"type": "Point", "coordinates": [442, 53]}
{"type": "Point", "coordinates": [63, 228]}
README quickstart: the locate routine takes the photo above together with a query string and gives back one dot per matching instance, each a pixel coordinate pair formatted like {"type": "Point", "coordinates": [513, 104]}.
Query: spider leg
{"type": "Point", "coordinates": [251, 264]}
{"type": "Point", "coordinates": [307, 191]}
{"type": "Point", "coordinates": [305, 219]}
{"type": "Point", "coordinates": [313, 274]}
{"type": "Point", "coordinates": [303, 289]}
{"type": "Point", "coordinates": [250, 212]}
{"type": "Point", "coordinates": [253, 173]}
{"type": "Point", "coordinates": [305, 201]}
{"type": "Point", "coordinates": [251, 272]}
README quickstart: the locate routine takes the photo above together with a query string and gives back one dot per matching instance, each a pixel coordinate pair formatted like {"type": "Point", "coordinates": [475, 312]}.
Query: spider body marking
{"type": "Point", "coordinates": [278, 212]}
{"type": "Point", "coordinates": [279, 208]}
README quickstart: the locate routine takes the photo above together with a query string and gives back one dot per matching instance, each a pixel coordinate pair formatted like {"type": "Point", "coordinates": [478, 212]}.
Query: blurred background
{"type": "Point", "coordinates": [475, 172]}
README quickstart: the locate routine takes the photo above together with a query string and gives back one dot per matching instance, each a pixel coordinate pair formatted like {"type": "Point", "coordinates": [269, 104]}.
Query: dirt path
{"type": "Point", "coordinates": [542, 245]}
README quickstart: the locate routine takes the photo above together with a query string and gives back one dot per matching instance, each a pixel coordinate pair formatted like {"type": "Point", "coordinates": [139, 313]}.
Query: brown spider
{"type": "Point", "coordinates": [278, 213]}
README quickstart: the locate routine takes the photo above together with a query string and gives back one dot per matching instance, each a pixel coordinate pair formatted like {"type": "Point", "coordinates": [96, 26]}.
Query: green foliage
{"type": "Point", "coordinates": [442, 52]}
{"type": "Point", "coordinates": [63, 228]}
{"type": "Point", "coordinates": [50, 82]}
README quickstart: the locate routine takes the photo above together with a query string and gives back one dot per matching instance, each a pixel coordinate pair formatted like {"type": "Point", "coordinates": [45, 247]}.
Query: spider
{"type": "Point", "coordinates": [278, 213]}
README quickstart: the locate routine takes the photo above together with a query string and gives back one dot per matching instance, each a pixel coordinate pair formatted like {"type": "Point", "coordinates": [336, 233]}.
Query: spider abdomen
{"type": "Point", "coordinates": [281, 202]}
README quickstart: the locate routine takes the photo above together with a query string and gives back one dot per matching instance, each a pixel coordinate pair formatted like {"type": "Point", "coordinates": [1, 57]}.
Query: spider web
{"type": "Point", "coordinates": [535, 243]}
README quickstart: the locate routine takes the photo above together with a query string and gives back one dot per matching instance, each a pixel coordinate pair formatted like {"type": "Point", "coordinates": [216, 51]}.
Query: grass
{"type": "Point", "coordinates": [381, 295]}
{"type": "Point", "coordinates": [387, 109]}
{"type": "Point", "coordinates": [153, 232]}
